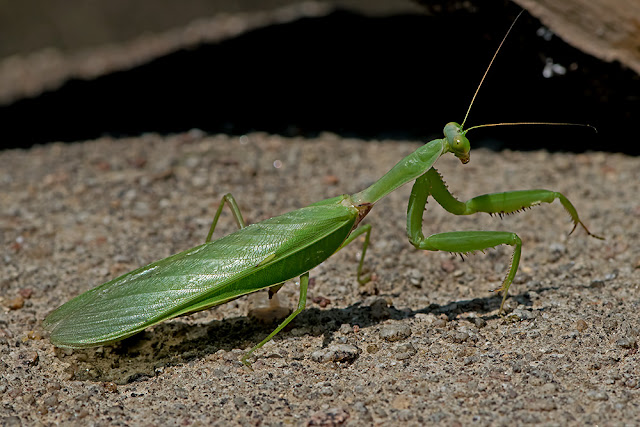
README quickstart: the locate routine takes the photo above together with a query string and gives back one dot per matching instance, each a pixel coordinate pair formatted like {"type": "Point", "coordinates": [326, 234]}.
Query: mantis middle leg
{"type": "Point", "coordinates": [366, 230]}
{"type": "Point", "coordinates": [431, 183]}
{"type": "Point", "coordinates": [302, 303]}
{"type": "Point", "coordinates": [235, 210]}
{"type": "Point", "coordinates": [304, 283]}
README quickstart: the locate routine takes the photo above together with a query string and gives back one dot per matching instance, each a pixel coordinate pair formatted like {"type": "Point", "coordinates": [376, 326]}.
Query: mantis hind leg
{"type": "Point", "coordinates": [302, 303]}
{"type": "Point", "coordinates": [366, 230]}
{"type": "Point", "coordinates": [235, 210]}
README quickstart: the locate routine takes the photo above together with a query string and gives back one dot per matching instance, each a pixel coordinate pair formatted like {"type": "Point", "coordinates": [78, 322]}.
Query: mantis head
{"type": "Point", "coordinates": [457, 142]}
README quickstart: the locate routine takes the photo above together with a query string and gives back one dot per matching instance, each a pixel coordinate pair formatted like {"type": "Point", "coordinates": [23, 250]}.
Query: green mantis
{"type": "Point", "coordinates": [269, 253]}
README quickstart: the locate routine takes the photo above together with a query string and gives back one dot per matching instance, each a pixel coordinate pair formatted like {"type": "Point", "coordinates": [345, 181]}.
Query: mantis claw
{"type": "Point", "coordinates": [245, 360]}
{"type": "Point", "coordinates": [365, 279]}
{"type": "Point", "coordinates": [575, 225]}
{"type": "Point", "coordinates": [504, 288]}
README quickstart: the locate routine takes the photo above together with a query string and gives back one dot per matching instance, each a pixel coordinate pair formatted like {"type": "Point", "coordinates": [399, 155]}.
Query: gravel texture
{"type": "Point", "coordinates": [420, 344]}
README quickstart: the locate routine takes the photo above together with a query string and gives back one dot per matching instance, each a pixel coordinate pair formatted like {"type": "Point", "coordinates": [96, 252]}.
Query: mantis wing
{"type": "Point", "coordinates": [253, 258]}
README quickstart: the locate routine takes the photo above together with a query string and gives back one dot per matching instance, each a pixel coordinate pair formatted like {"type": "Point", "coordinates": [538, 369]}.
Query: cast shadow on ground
{"type": "Point", "coordinates": [150, 352]}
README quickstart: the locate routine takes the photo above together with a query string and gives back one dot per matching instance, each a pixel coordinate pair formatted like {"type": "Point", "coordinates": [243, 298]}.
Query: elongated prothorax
{"type": "Point", "coordinates": [406, 170]}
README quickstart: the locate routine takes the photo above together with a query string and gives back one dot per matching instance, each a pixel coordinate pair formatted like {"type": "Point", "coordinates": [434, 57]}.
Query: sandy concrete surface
{"type": "Point", "coordinates": [421, 344]}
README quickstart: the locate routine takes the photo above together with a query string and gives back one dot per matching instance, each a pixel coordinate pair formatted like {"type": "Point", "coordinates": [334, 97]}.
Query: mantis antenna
{"type": "Point", "coordinates": [533, 123]}
{"type": "Point", "coordinates": [489, 67]}
{"type": "Point", "coordinates": [514, 123]}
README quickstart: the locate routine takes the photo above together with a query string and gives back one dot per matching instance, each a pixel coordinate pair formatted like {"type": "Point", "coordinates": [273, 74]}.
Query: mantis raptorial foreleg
{"type": "Point", "coordinates": [431, 183]}
{"type": "Point", "coordinates": [235, 210]}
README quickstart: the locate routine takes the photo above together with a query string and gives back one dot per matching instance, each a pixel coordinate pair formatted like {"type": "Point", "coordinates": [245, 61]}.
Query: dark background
{"type": "Point", "coordinates": [398, 77]}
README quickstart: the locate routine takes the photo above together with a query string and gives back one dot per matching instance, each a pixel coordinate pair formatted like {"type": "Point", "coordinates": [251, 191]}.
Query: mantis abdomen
{"type": "Point", "coordinates": [255, 257]}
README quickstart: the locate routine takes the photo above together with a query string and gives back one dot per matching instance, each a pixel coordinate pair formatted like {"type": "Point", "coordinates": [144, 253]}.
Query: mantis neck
{"type": "Point", "coordinates": [406, 170]}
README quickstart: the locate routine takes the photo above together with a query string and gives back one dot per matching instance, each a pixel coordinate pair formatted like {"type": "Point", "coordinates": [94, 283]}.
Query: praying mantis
{"type": "Point", "coordinates": [271, 252]}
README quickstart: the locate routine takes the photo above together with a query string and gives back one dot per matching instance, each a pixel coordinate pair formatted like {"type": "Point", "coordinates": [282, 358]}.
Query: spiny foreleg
{"type": "Point", "coordinates": [462, 242]}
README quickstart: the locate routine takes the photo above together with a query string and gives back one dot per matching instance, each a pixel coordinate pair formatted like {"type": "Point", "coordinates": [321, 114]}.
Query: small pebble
{"type": "Point", "coordinates": [199, 181]}
{"type": "Point", "coordinates": [610, 276]}
{"type": "Point", "coordinates": [15, 303]}
{"type": "Point", "coordinates": [542, 404]}
{"type": "Point", "coordinates": [401, 402]}
{"type": "Point", "coordinates": [360, 407]}
{"type": "Point", "coordinates": [321, 301]}
{"type": "Point", "coordinates": [51, 401]}
{"type": "Point", "coordinates": [556, 251]}
{"type": "Point", "coordinates": [336, 353]}
{"type": "Point", "coordinates": [581, 325]}
{"type": "Point", "coordinates": [331, 179]}
{"type": "Point", "coordinates": [597, 395]}
{"type": "Point", "coordinates": [53, 385]}
{"type": "Point", "coordinates": [522, 314]}
{"type": "Point", "coordinates": [448, 266]}
{"type": "Point", "coordinates": [26, 293]}
{"type": "Point", "coordinates": [34, 335]}
{"type": "Point", "coordinates": [470, 360]}
{"type": "Point", "coordinates": [415, 276]}
{"type": "Point", "coordinates": [29, 358]}
{"type": "Point", "coordinates": [459, 337]}
{"type": "Point", "coordinates": [380, 309]}
{"type": "Point", "coordinates": [405, 351]}
{"type": "Point", "coordinates": [329, 417]}
{"type": "Point", "coordinates": [395, 332]}
{"type": "Point", "coordinates": [440, 322]}
{"type": "Point", "coordinates": [479, 322]}
{"type": "Point", "coordinates": [82, 413]}
{"type": "Point", "coordinates": [610, 324]}
{"type": "Point", "coordinates": [327, 391]}
{"type": "Point", "coordinates": [180, 393]}
{"type": "Point", "coordinates": [626, 342]}
{"type": "Point", "coordinates": [549, 388]}
{"type": "Point", "coordinates": [345, 328]}
{"type": "Point", "coordinates": [110, 387]}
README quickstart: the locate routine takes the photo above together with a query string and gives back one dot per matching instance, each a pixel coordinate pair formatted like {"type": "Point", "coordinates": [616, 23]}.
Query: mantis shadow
{"type": "Point", "coordinates": [177, 342]}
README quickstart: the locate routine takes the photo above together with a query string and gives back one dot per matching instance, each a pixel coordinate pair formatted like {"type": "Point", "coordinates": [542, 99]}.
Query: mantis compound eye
{"type": "Point", "coordinates": [461, 147]}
